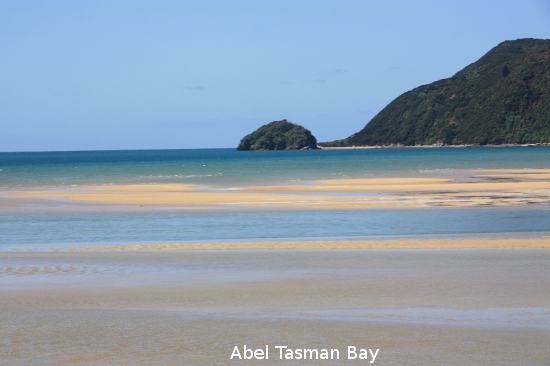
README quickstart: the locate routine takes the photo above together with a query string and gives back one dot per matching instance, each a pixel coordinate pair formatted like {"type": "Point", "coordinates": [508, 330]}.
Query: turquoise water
{"type": "Point", "coordinates": [227, 167]}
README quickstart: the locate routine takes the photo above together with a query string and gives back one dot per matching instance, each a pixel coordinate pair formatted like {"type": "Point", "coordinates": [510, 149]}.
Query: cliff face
{"type": "Point", "coordinates": [279, 135]}
{"type": "Point", "coordinates": [503, 98]}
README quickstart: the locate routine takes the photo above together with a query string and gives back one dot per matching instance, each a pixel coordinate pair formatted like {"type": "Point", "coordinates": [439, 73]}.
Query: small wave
{"type": "Point", "coordinates": [185, 176]}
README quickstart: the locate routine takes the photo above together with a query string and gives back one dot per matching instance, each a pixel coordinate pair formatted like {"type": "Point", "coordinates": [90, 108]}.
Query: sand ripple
{"type": "Point", "coordinates": [24, 270]}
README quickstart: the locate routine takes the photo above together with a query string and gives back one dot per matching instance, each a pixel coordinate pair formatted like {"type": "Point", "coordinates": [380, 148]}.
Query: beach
{"type": "Point", "coordinates": [151, 307]}
{"type": "Point", "coordinates": [445, 267]}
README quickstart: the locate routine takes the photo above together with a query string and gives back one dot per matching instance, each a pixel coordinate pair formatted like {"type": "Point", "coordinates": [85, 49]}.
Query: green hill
{"type": "Point", "coordinates": [279, 135]}
{"type": "Point", "coordinates": [503, 98]}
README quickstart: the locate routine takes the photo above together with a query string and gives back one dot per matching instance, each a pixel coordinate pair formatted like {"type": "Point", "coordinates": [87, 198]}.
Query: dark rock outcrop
{"type": "Point", "coordinates": [279, 135]}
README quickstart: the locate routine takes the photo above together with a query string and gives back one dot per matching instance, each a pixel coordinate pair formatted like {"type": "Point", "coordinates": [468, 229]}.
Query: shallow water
{"type": "Point", "coordinates": [22, 231]}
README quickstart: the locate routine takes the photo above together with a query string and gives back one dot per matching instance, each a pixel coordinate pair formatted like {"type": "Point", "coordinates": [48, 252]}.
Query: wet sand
{"type": "Point", "coordinates": [465, 189]}
{"type": "Point", "coordinates": [431, 307]}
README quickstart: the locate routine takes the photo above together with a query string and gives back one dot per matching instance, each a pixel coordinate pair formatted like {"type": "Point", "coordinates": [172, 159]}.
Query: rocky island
{"type": "Point", "coordinates": [279, 135]}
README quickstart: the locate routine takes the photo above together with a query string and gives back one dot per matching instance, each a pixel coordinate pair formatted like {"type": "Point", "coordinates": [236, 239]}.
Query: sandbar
{"type": "Point", "coordinates": [463, 189]}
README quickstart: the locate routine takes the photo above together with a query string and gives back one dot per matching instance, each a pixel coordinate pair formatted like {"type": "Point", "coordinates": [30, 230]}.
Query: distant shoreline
{"type": "Point", "coordinates": [400, 146]}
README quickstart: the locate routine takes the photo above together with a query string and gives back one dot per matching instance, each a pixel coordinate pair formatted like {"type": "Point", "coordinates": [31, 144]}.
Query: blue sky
{"type": "Point", "coordinates": [98, 75]}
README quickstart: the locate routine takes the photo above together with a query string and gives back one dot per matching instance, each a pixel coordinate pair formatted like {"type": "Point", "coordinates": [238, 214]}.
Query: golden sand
{"type": "Point", "coordinates": [472, 188]}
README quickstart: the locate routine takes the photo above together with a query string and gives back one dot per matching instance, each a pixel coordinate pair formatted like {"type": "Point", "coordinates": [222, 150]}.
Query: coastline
{"type": "Point", "coordinates": [401, 146]}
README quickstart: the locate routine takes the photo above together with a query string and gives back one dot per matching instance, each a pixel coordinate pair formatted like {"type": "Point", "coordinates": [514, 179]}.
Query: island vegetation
{"type": "Point", "coordinates": [503, 98]}
{"type": "Point", "coordinates": [279, 135]}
